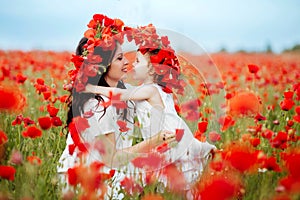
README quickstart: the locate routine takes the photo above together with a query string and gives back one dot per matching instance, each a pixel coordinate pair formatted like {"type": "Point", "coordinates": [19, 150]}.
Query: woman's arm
{"type": "Point", "coordinates": [117, 158]}
{"type": "Point", "coordinates": [135, 93]}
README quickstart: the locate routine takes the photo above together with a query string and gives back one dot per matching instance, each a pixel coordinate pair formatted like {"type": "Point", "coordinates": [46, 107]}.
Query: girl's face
{"type": "Point", "coordinates": [141, 67]}
{"type": "Point", "coordinates": [118, 67]}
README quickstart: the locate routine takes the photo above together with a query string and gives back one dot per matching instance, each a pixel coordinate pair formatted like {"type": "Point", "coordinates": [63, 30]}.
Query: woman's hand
{"type": "Point", "coordinates": [165, 137]}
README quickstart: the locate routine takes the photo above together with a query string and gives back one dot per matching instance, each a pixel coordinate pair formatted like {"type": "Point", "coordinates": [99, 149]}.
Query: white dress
{"type": "Point", "coordinates": [99, 125]}
{"type": "Point", "coordinates": [189, 154]}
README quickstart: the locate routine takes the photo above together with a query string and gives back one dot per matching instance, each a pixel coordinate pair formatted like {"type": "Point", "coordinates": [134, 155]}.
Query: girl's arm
{"type": "Point", "coordinates": [135, 93]}
{"type": "Point", "coordinates": [117, 158]}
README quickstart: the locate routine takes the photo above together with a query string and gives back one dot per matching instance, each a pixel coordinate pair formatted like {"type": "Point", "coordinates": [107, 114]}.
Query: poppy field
{"type": "Point", "coordinates": [257, 137]}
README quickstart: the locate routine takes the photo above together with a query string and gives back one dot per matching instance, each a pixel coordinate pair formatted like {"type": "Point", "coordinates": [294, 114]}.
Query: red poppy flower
{"type": "Point", "coordinates": [27, 121]}
{"type": "Point", "coordinates": [12, 100]}
{"type": "Point", "coordinates": [118, 24]}
{"type": "Point", "coordinates": [3, 138]}
{"type": "Point", "coordinates": [255, 142]}
{"type": "Point", "coordinates": [229, 96]}
{"type": "Point", "coordinates": [32, 132]}
{"type": "Point", "coordinates": [56, 121]}
{"type": "Point", "coordinates": [52, 110]}
{"type": "Point", "coordinates": [290, 123]}
{"type": "Point", "coordinates": [40, 86]}
{"type": "Point", "coordinates": [268, 134]}
{"type": "Point", "coordinates": [271, 164]}
{"type": "Point", "coordinates": [290, 184]}
{"type": "Point", "coordinates": [259, 117]}
{"type": "Point", "coordinates": [199, 136]}
{"type": "Point", "coordinates": [7, 172]}
{"type": "Point", "coordinates": [280, 140]}
{"type": "Point", "coordinates": [18, 120]}
{"type": "Point", "coordinates": [122, 126]}
{"type": "Point", "coordinates": [287, 104]}
{"type": "Point", "coordinates": [288, 95]}
{"type": "Point", "coordinates": [40, 81]}
{"type": "Point", "coordinates": [214, 136]}
{"type": "Point", "coordinates": [20, 78]}
{"type": "Point", "coordinates": [226, 122]}
{"type": "Point", "coordinates": [297, 116]}
{"type": "Point", "coordinates": [292, 162]}
{"type": "Point", "coordinates": [244, 104]}
{"type": "Point", "coordinates": [44, 122]}
{"type": "Point", "coordinates": [47, 95]}
{"type": "Point", "coordinates": [64, 98]}
{"type": "Point", "coordinates": [202, 126]}
{"type": "Point", "coordinates": [77, 60]}
{"type": "Point", "coordinates": [219, 187]}
{"type": "Point", "coordinates": [253, 68]}
{"type": "Point", "coordinates": [241, 156]}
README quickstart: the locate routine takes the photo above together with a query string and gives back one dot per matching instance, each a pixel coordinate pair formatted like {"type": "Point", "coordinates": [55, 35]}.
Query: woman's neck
{"type": "Point", "coordinates": [110, 82]}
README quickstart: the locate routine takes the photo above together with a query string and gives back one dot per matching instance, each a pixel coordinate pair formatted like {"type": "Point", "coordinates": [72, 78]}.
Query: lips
{"type": "Point", "coordinates": [124, 70]}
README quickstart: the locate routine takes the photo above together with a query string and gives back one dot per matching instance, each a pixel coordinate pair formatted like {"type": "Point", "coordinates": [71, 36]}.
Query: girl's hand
{"type": "Point", "coordinates": [89, 88]}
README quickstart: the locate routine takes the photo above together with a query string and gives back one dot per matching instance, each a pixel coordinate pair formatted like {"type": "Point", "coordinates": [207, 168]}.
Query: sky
{"type": "Point", "coordinates": [249, 25]}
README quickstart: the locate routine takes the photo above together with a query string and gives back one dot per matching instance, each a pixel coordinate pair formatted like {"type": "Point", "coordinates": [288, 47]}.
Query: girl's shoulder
{"type": "Point", "coordinates": [148, 88]}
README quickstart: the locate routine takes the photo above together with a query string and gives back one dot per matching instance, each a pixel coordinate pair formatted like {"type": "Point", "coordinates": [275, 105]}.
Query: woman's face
{"type": "Point", "coordinates": [141, 67]}
{"type": "Point", "coordinates": [118, 67]}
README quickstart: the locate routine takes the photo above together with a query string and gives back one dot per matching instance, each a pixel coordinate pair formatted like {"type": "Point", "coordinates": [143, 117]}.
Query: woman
{"type": "Point", "coordinates": [116, 146]}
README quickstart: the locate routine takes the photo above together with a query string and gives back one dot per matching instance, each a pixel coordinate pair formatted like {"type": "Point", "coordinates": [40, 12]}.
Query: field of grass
{"type": "Point", "coordinates": [250, 109]}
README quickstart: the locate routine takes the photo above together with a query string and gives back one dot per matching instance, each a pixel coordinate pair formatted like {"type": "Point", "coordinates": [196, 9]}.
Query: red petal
{"type": "Point", "coordinates": [179, 134]}
{"type": "Point", "coordinates": [44, 122]}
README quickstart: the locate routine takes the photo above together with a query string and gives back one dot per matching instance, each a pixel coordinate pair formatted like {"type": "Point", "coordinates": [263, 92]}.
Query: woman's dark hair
{"type": "Point", "coordinates": [77, 100]}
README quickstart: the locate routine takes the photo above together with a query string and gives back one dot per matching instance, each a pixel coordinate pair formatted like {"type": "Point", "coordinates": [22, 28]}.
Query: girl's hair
{"type": "Point", "coordinates": [77, 100]}
{"type": "Point", "coordinates": [157, 77]}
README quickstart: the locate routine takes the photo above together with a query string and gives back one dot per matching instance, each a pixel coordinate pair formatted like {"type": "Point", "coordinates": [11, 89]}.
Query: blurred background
{"type": "Point", "coordinates": [232, 25]}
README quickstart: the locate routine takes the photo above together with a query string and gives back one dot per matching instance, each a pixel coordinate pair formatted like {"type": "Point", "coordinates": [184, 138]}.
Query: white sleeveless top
{"type": "Point", "coordinates": [99, 125]}
{"type": "Point", "coordinates": [189, 153]}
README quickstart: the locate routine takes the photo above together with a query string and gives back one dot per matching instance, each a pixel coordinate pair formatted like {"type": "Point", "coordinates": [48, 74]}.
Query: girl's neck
{"type": "Point", "coordinates": [148, 80]}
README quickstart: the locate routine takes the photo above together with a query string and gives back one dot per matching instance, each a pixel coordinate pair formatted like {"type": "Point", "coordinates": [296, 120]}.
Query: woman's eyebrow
{"type": "Point", "coordinates": [118, 55]}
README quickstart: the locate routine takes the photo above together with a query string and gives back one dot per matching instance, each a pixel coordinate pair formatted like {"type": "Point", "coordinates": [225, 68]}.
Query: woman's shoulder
{"type": "Point", "coordinates": [95, 104]}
